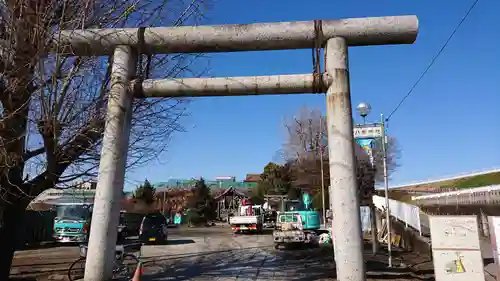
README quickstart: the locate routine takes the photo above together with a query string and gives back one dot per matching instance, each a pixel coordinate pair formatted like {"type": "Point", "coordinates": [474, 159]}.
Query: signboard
{"type": "Point", "coordinates": [456, 249]}
{"type": "Point", "coordinates": [367, 185]}
{"type": "Point", "coordinates": [494, 227]}
{"type": "Point", "coordinates": [367, 131]}
{"type": "Point", "coordinates": [367, 146]}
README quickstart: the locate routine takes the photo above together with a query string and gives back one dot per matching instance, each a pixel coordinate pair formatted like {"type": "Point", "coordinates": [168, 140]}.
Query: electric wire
{"type": "Point", "coordinates": [432, 61]}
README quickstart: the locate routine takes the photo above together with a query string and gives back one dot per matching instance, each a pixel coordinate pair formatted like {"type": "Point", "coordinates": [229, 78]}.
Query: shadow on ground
{"type": "Point", "coordinates": [170, 242]}
{"type": "Point", "coordinates": [37, 246]}
{"type": "Point", "coordinates": [180, 241]}
{"type": "Point", "coordinates": [268, 264]}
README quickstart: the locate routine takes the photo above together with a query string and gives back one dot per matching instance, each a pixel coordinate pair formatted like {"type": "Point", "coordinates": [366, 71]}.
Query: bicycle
{"type": "Point", "coordinates": [124, 264]}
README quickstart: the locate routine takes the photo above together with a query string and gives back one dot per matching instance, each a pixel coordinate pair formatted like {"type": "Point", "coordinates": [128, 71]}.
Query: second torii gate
{"type": "Point", "coordinates": [334, 35]}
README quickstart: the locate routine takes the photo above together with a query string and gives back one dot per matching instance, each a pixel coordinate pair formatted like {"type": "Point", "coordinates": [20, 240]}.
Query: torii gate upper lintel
{"type": "Point", "coordinates": [239, 37]}
{"type": "Point", "coordinates": [334, 35]}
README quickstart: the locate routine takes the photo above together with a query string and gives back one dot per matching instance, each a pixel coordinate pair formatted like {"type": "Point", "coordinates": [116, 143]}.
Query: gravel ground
{"type": "Point", "coordinates": [215, 253]}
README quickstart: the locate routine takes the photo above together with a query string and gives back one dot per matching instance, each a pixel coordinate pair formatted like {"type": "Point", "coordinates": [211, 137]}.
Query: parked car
{"type": "Point", "coordinates": [153, 229]}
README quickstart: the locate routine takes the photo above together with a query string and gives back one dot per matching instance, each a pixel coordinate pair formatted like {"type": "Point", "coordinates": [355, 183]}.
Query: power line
{"type": "Point", "coordinates": [433, 60]}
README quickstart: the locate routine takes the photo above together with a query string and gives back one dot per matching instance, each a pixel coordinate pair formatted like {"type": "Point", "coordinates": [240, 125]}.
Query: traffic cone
{"type": "Point", "coordinates": [138, 272]}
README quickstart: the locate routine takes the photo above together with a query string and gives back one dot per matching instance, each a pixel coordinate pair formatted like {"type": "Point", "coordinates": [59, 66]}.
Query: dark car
{"type": "Point", "coordinates": [153, 228]}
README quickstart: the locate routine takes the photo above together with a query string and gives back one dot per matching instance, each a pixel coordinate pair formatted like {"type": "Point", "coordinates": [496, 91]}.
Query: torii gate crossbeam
{"type": "Point", "coordinates": [334, 35]}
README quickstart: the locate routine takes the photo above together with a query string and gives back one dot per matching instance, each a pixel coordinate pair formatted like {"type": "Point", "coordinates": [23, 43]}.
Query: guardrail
{"type": "Point", "coordinates": [406, 213]}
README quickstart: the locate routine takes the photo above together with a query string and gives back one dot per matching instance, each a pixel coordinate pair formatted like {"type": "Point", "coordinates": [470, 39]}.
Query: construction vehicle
{"type": "Point", "coordinates": [250, 218]}
{"type": "Point", "coordinates": [297, 222]}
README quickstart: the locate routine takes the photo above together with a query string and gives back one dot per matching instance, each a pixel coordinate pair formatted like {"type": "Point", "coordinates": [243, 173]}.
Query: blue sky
{"type": "Point", "coordinates": [449, 125]}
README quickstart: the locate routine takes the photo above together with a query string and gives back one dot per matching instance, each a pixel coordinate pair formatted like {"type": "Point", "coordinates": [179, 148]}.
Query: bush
{"type": "Point", "coordinates": [193, 217]}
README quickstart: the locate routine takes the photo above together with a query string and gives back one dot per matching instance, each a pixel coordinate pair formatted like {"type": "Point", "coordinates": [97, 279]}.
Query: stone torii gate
{"type": "Point", "coordinates": [334, 36]}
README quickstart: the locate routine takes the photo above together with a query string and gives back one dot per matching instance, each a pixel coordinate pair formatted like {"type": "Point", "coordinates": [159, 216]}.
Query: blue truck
{"type": "Point", "coordinates": [72, 223]}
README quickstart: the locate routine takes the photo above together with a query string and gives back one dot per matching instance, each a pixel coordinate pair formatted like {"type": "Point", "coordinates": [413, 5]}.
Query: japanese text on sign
{"type": "Point", "coordinates": [368, 132]}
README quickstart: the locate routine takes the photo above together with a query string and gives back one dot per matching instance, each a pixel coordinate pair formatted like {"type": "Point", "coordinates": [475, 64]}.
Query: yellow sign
{"type": "Point", "coordinates": [456, 266]}
{"type": "Point", "coordinates": [459, 264]}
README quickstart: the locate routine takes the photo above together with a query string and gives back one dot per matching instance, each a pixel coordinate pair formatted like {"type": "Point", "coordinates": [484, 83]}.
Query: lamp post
{"type": "Point", "coordinates": [363, 109]}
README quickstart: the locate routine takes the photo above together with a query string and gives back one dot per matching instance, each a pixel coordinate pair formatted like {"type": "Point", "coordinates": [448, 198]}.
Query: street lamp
{"type": "Point", "coordinates": [363, 110]}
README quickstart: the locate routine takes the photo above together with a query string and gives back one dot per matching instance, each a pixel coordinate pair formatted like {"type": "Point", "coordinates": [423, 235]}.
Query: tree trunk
{"type": "Point", "coordinates": [12, 222]}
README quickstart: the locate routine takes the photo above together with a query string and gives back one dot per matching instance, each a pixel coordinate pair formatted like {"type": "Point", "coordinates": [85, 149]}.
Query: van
{"type": "Point", "coordinates": [153, 229]}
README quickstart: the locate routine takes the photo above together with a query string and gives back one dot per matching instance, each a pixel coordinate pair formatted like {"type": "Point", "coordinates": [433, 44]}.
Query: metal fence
{"type": "Point", "coordinates": [406, 213]}
{"type": "Point", "coordinates": [37, 228]}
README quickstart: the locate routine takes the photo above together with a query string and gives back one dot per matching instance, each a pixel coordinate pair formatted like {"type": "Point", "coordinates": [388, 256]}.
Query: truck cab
{"type": "Point", "coordinates": [250, 218]}
{"type": "Point", "coordinates": [72, 223]}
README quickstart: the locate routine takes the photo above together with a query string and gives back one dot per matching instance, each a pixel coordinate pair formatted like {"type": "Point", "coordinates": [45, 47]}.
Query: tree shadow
{"type": "Point", "coordinates": [294, 264]}
{"type": "Point", "coordinates": [49, 263]}
{"type": "Point", "coordinates": [38, 246]}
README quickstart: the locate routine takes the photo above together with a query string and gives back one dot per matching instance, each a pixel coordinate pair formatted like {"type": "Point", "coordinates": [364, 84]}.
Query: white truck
{"type": "Point", "coordinates": [250, 218]}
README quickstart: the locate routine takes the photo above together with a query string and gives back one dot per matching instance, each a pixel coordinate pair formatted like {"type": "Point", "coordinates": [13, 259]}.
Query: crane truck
{"type": "Point", "coordinates": [250, 218]}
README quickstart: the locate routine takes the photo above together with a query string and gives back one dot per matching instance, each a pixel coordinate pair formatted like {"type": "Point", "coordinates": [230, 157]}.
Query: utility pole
{"type": "Point", "coordinates": [164, 199]}
{"type": "Point", "coordinates": [321, 167]}
{"type": "Point", "coordinates": [363, 110]}
{"type": "Point", "coordinates": [386, 189]}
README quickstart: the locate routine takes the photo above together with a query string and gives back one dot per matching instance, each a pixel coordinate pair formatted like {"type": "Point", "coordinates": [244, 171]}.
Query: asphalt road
{"type": "Point", "coordinates": [215, 253]}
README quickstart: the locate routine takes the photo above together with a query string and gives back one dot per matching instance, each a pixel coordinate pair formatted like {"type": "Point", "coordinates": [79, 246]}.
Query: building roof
{"type": "Point", "coordinates": [470, 180]}
{"type": "Point", "coordinates": [66, 196]}
{"type": "Point", "coordinates": [229, 190]}
{"type": "Point", "coordinates": [252, 178]}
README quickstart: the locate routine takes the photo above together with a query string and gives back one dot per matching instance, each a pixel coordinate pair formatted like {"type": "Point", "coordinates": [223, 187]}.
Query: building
{"type": "Point", "coordinates": [255, 178]}
{"type": "Point", "coordinates": [218, 182]}
{"type": "Point", "coordinates": [174, 194]}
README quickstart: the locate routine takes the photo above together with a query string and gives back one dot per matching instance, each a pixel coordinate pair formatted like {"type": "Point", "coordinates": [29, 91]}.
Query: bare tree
{"type": "Point", "coordinates": [53, 107]}
{"type": "Point", "coordinates": [306, 143]}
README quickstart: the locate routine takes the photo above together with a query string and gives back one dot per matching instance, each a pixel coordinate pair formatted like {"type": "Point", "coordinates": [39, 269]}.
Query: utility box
{"type": "Point", "coordinates": [494, 228]}
{"type": "Point", "coordinates": [456, 249]}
